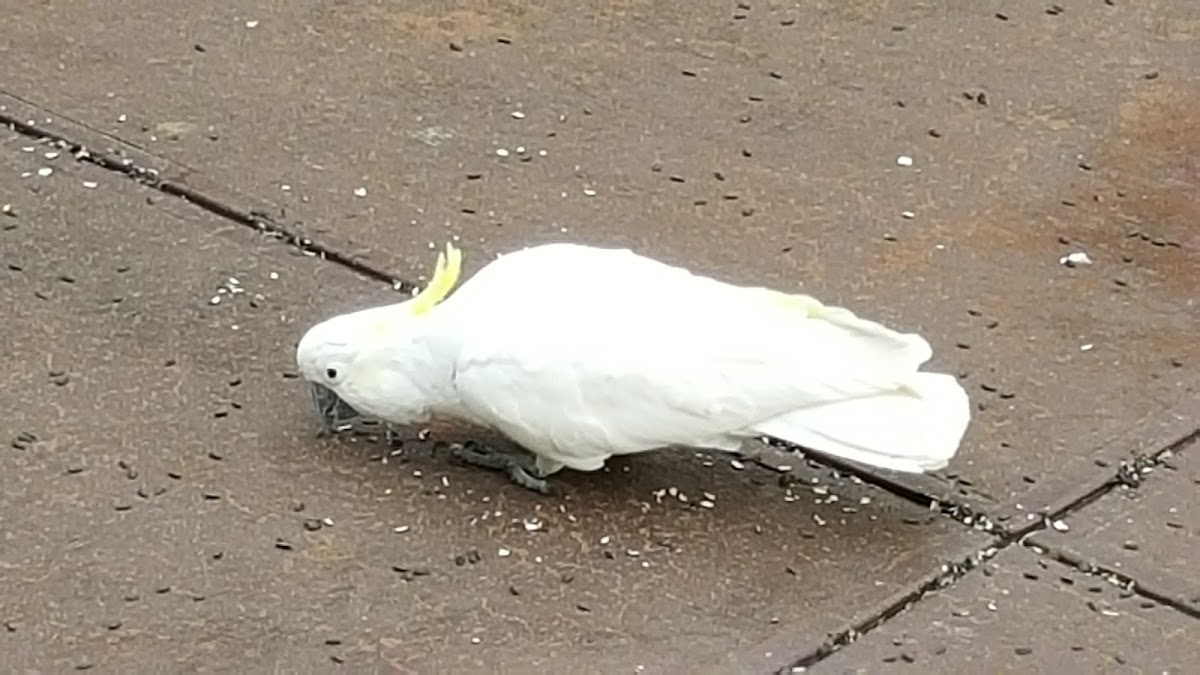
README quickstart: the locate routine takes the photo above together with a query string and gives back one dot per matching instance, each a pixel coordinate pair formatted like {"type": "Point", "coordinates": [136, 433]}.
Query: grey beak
{"type": "Point", "coordinates": [331, 409]}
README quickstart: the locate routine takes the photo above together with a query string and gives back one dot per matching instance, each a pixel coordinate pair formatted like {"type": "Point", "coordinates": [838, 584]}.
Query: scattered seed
{"type": "Point", "coordinates": [1075, 259]}
{"type": "Point", "coordinates": [410, 573]}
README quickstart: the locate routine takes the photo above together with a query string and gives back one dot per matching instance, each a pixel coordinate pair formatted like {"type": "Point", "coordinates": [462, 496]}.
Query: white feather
{"type": "Point", "coordinates": [580, 353]}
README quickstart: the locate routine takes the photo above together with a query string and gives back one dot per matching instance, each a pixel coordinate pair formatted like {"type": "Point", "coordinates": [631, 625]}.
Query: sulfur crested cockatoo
{"type": "Point", "coordinates": [579, 353]}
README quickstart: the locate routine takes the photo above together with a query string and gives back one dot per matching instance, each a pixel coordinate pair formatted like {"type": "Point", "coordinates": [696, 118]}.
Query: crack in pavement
{"type": "Point", "coordinates": [1128, 473]}
{"type": "Point", "coordinates": [259, 221]}
{"type": "Point", "coordinates": [1121, 579]}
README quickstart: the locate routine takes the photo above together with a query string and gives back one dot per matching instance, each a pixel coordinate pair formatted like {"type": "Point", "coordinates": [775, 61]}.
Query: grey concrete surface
{"type": "Point", "coordinates": [1149, 532]}
{"type": "Point", "coordinates": [1081, 137]}
{"type": "Point", "coordinates": [1023, 614]}
{"type": "Point", "coordinates": [757, 141]}
{"type": "Point", "coordinates": [164, 498]}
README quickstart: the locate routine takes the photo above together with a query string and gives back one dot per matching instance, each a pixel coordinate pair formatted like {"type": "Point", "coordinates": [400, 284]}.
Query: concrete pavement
{"type": "Point", "coordinates": [333, 144]}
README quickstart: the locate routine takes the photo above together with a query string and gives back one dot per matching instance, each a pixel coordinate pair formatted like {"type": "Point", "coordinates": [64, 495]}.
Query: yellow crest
{"type": "Point", "coordinates": [445, 275]}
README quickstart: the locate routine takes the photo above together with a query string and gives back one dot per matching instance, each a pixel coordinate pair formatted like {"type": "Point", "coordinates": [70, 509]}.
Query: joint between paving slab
{"type": "Point", "coordinates": [960, 511]}
{"type": "Point", "coordinates": [953, 572]}
{"type": "Point", "coordinates": [1132, 584]}
{"type": "Point", "coordinates": [1127, 473]}
{"type": "Point", "coordinates": [151, 178]}
{"type": "Point", "coordinates": [950, 573]}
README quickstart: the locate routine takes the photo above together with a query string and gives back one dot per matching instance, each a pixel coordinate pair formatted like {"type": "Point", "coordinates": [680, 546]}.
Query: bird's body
{"type": "Point", "coordinates": [579, 353]}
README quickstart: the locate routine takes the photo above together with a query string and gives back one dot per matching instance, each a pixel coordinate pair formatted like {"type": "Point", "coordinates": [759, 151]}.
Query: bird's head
{"type": "Point", "coordinates": [355, 362]}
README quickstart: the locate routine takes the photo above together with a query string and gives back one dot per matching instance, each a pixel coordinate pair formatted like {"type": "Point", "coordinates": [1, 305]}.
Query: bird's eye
{"type": "Point", "coordinates": [331, 373]}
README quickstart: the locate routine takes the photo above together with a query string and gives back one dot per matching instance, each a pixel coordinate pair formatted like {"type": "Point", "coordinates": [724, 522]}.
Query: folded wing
{"type": "Point", "coordinates": [579, 372]}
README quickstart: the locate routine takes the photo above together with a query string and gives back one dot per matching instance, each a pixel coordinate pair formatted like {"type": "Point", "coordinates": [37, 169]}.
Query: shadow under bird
{"type": "Point", "coordinates": [578, 353]}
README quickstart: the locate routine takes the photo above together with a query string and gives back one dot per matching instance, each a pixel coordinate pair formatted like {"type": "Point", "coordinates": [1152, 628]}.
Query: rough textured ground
{"type": "Point", "coordinates": [157, 456]}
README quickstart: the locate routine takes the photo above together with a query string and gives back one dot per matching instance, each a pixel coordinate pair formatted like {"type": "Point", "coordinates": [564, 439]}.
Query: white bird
{"type": "Point", "coordinates": [579, 353]}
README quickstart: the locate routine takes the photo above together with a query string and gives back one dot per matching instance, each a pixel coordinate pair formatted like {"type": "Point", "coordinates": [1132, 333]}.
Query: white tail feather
{"type": "Point", "coordinates": [915, 429]}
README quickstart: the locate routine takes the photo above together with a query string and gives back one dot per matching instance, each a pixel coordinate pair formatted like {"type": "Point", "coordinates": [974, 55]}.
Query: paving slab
{"type": "Point", "coordinates": [760, 144]}
{"type": "Point", "coordinates": [165, 505]}
{"type": "Point", "coordinates": [1149, 533]}
{"type": "Point", "coordinates": [1022, 613]}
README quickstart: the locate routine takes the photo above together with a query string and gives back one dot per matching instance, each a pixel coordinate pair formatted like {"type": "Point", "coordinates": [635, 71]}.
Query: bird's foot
{"type": "Point", "coordinates": [520, 466]}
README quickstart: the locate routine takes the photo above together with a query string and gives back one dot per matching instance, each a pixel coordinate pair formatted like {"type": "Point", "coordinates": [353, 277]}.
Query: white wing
{"type": "Point", "coordinates": [580, 353]}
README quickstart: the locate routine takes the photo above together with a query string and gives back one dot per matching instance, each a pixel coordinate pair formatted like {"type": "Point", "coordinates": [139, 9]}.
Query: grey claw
{"type": "Point", "coordinates": [481, 456]}
{"type": "Point", "coordinates": [521, 468]}
{"type": "Point", "coordinates": [521, 477]}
